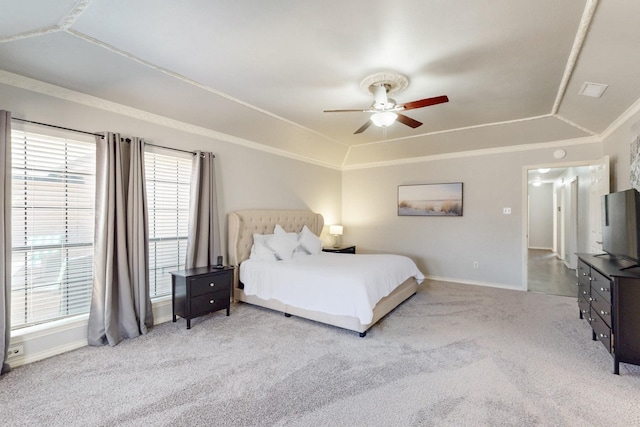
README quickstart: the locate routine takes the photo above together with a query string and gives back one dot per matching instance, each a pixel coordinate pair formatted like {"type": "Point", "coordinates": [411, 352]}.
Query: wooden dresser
{"type": "Point", "coordinates": [609, 299]}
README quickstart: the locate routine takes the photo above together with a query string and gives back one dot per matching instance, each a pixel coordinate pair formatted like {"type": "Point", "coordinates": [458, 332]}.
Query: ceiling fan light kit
{"type": "Point", "coordinates": [385, 110]}
{"type": "Point", "coordinates": [384, 119]}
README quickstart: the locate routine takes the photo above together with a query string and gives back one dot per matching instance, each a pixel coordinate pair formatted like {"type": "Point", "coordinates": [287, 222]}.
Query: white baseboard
{"type": "Point", "coordinates": [475, 283]}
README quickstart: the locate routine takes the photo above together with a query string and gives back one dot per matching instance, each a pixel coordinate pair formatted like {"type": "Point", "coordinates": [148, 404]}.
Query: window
{"type": "Point", "coordinates": [53, 187]}
{"type": "Point", "coordinates": [168, 175]}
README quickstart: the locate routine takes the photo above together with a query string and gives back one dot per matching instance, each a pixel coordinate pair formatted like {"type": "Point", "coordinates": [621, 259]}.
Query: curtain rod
{"type": "Point", "coordinates": [54, 126]}
{"type": "Point", "coordinates": [94, 134]}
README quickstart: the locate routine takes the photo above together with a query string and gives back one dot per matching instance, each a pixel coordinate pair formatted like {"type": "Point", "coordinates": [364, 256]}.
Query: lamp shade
{"type": "Point", "coordinates": [384, 119]}
{"type": "Point", "coordinates": [335, 230]}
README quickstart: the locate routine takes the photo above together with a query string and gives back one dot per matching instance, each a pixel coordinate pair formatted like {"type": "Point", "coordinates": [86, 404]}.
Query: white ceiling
{"type": "Point", "coordinates": [264, 71]}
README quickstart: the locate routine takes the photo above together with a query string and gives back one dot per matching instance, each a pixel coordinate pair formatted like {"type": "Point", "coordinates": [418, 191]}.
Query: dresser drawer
{"type": "Point", "coordinates": [601, 285]}
{"type": "Point", "coordinates": [210, 283]}
{"type": "Point", "coordinates": [584, 290]}
{"type": "Point", "coordinates": [601, 330]}
{"type": "Point", "coordinates": [584, 307]}
{"type": "Point", "coordinates": [602, 307]}
{"type": "Point", "coordinates": [209, 302]}
{"type": "Point", "coordinates": [583, 274]}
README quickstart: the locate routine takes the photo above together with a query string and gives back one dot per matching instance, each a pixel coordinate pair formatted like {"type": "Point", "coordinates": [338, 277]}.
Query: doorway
{"type": "Point", "coordinates": [566, 213]}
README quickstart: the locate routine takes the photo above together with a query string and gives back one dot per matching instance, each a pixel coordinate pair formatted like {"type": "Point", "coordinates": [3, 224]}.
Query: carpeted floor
{"type": "Point", "coordinates": [452, 355]}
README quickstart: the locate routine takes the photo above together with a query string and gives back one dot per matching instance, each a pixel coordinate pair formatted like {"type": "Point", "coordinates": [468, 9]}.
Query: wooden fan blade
{"type": "Point", "coordinates": [412, 123]}
{"type": "Point", "coordinates": [363, 127]}
{"type": "Point", "coordinates": [345, 111]}
{"type": "Point", "coordinates": [425, 102]}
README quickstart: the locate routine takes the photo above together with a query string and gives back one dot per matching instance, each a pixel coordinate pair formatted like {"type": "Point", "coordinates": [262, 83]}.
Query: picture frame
{"type": "Point", "coordinates": [444, 199]}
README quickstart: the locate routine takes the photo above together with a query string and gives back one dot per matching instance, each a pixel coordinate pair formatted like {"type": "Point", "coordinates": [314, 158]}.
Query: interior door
{"type": "Point", "coordinates": [598, 187]}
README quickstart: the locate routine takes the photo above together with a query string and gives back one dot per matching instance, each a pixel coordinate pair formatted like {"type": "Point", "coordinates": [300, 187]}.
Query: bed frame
{"type": "Point", "coordinates": [244, 223]}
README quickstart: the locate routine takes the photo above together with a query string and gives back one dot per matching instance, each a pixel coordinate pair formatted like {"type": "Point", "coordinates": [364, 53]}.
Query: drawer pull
{"type": "Point", "coordinates": [584, 274]}
{"type": "Point", "coordinates": [585, 292]}
{"type": "Point", "coordinates": [604, 336]}
{"type": "Point", "coordinates": [591, 319]}
{"type": "Point", "coordinates": [211, 301]}
{"type": "Point", "coordinates": [212, 284]}
{"type": "Point", "coordinates": [592, 299]}
{"type": "Point", "coordinates": [584, 311]}
{"type": "Point", "coordinates": [604, 313]}
{"type": "Point", "coordinates": [604, 289]}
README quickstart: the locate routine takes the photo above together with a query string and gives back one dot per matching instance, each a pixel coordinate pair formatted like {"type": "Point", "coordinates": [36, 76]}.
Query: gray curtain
{"type": "Point", "coordinates": [5, 231]}
{"type": "Point", "coordinates": [120, 304]}
{"type": "Point", "coordinates": [203, 243]}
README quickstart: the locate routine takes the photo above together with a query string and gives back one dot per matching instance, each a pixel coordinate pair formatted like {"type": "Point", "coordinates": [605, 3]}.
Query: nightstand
{"type": "Point", "coordinates": [341, 250]}
{"type": "Point", "coordinates": [199, 291]}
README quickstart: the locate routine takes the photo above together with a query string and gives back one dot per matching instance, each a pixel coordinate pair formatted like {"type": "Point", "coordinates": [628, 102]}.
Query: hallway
{"type": "Point", "coordinates": [548, 274]}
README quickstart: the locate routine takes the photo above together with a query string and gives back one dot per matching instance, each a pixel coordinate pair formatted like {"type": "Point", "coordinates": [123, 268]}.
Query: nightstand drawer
{"type": "Point", "coordinates": [208, 303]}
{"type": "Point", "coordinates": [210, 283]}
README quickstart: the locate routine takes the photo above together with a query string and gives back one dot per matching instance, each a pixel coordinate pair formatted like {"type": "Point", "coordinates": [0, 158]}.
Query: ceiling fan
{"type": "Point", "coordinates": [385, 110]}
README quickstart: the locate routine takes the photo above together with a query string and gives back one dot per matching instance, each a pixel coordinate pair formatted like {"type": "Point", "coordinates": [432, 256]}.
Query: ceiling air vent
{"type": "Point", "coordinates": [594, 90]}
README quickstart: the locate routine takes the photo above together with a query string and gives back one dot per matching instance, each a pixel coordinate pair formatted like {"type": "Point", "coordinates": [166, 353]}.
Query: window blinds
{"type": "Point", "coordinates": [168, 175]}
{"type": "Point", "coordinates": [53, 187]}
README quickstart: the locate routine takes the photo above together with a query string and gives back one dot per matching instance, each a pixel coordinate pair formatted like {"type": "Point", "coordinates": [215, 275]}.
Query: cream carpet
{"type": "Point", "coordinates": [452, 355]}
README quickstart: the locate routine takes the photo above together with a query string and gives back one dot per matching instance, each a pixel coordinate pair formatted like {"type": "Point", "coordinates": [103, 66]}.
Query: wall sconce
{"type": "Point", "coordinates": [336, 232]}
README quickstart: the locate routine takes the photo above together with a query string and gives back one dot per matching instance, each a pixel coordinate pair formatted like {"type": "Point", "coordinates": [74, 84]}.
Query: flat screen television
{"type": "Point", "coordinates": [620, 224]}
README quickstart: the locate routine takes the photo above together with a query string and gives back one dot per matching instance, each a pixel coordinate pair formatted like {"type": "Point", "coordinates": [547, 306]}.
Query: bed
{"type": "Point", "coordinates": [244, 224]}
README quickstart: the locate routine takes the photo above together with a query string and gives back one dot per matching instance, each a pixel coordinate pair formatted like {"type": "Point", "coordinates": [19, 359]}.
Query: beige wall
{"type": "Point", "coordinates": [447, 247]}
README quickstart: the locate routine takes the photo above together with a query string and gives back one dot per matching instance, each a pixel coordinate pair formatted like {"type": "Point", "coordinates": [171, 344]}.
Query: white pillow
{"type": "Point", "coordinates": [309, 241]}
{"type": "Point", "coordinates": [260, 250]}
{"type": "Point", "coordinates": [280, 230]}
{"type": "Point", "coordinates": [293, 236]}
{"type": "Point", "coordinates": [282, 245]}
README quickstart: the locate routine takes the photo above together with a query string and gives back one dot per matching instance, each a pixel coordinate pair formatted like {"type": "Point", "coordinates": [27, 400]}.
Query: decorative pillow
{"type": "Point", "coordinates": [260, 250]}
{"type": "Point", "coordinates": [280, 230]}
{"type": "Point", "coordinates": [309, 241]}
{"type": "Point", "coordinates": [283, 245]}
{"type": "Point", "coordinates": [293, 236]}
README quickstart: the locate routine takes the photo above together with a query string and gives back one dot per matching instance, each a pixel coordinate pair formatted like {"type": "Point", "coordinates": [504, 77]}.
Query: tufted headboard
{"type": "Point", "coordinates": [244, 223]}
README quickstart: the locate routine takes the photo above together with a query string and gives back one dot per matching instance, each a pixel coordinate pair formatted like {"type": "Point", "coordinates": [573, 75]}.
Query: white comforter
{"type": "Point", "coordinates": [342, 284]}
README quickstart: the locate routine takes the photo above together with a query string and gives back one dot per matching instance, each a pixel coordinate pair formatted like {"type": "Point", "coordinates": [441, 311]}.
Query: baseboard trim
{"type": "Point", "coordinates": [474, 283]}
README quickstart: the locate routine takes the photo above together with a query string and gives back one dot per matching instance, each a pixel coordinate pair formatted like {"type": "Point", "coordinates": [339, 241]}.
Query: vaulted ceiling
{"type": "Point", "coordinates": [264, 71]}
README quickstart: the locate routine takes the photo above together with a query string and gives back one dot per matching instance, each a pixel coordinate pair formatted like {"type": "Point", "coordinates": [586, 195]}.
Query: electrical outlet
{"type": "Point", "coordinates": [506, 211]}
{"type": "Point", "coordinates": [476, 264]}
{"type": "Point", "coordinates": [14, 351]}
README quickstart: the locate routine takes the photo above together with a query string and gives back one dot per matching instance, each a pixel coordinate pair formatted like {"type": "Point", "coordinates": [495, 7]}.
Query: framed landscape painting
{"type": "Point", "coordinates": [430, 199]}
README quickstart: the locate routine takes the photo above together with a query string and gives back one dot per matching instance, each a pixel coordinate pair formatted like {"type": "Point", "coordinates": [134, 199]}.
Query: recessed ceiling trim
{"type": "Point", "coordinates": [575, 125]}
{"type": "Point", "coordinates": [440, 132]}
{"type": "Point", "coordinates": [38, 86]}
{"type": "Point", "coordinates": [578, 42]}
{"type": "Point", "coordinates": [29, 34]}
{"type": "Point", "coordinates": [476, 153]}
{"type": "Point", "coordinates": [194, 83]}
